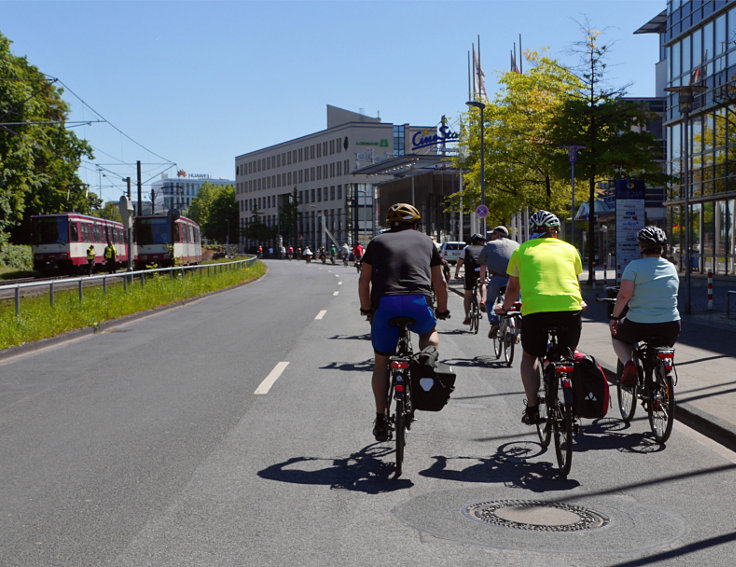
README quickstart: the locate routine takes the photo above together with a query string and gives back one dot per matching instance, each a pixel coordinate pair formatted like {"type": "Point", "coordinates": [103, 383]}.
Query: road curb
{"type": "Point", "coordinates": [702, 422]}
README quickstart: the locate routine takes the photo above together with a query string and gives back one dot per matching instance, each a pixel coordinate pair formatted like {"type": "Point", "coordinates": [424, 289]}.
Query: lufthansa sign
{"type": "Point", "coordinates": [424, 139]}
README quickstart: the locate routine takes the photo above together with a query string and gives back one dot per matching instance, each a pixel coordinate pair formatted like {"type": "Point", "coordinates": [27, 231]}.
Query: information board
{"type": "Point", "coordinates": [629, 219]}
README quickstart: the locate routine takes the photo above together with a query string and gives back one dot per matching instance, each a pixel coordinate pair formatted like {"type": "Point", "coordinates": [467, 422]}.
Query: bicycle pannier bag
{"type": "Point", "coordinates": [589, 387]}
{"type": "Point", "coordinates": [432, 382]}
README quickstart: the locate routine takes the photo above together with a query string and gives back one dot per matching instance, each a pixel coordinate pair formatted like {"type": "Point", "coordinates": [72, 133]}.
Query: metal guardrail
{"type": "Point", "coordinates": [127, 277]}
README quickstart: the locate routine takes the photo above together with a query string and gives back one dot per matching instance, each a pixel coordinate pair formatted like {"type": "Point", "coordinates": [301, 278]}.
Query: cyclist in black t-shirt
{"type": "Point", "coordinates": [470, 258]}
{"type": "Point", "coordinates": [400, 267]}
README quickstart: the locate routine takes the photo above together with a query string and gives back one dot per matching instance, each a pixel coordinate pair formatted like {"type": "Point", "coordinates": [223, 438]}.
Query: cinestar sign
{"type": "Point", "coordinates": [423, 139]}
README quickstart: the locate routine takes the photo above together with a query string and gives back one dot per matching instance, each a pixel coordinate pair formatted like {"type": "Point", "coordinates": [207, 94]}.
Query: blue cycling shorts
{"type": "Point", "coordinates": [384, 336]}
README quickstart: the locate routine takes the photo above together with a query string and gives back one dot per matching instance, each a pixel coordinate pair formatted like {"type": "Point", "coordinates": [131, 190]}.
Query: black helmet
{"type": "Point", "coordinates": [543, 219]}
{"type": "Point", "coordinates": [477, 238]}
{"type": "Point", "coordinates": [652, 235]}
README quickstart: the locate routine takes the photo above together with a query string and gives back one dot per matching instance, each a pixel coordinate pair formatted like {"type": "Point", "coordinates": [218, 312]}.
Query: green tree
{"type": "Point", "coordinates": [39, 157]}
{"type": "Point", "coordinates": [288, 216]}
{"type": "Point", "coordinates": [611, 129]}
{"type": "Point", "coordinates": [111, 212]}
{"type": "Point", "coordinates": [223, 215]}
{"type": "Point", "coordinates": [519, 161]}
{"type": "Point", "coordinates": [258, 230]}
{"type": "Point", "coordinates": [200, 208]}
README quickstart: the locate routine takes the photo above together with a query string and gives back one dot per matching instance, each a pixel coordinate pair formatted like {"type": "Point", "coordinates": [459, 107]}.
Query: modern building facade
{"type": "Point", "coordinates": [332, 201]}
{"type": "Point", "coordinates": [179, 192]}
{"type": "Point", "coordinates": [698, 50]}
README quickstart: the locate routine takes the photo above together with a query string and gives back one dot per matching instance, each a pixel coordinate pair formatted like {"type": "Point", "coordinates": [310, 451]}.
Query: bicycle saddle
{"type": "Point", "coordinates": [401, 321]}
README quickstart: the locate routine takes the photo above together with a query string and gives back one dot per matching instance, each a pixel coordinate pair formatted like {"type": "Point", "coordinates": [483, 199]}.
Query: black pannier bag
{"type": "Point", "coordinates": [432, 382]}
{"type": "Point", "coordinates": [589, 388]}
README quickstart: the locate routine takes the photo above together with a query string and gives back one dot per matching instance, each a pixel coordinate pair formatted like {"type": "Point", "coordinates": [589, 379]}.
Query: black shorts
{"type": "Point", "coordinates": [534, 336]}
{"type": "Point", "coordinates": [471, 278]}
{"type": "Point", "coordinates": [630, 332]}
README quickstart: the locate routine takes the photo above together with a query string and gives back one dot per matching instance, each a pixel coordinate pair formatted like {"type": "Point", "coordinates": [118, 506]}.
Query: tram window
{"type": "Point", "coordinates": [98, 233]}
{"type": "Point", "coordinates": [51, 230]}
{"type": "Point", "coordinates": [74, 231]}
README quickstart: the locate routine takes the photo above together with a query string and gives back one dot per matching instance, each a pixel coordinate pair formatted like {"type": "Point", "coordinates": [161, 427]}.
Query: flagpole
{"type": "Point", "coordinates": [521, 57]}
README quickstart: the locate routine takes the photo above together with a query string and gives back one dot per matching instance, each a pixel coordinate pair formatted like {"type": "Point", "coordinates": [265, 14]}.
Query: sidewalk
{"type": "Point", "coordinates": [705, 361]}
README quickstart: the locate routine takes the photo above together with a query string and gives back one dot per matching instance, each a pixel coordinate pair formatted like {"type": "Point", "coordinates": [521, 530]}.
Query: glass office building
{"type": "Point", "coordinates": [699, 41]}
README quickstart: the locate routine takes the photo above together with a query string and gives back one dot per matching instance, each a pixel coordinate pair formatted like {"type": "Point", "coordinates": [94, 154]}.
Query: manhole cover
{"type": "Point", "coordinates": [536, 515]}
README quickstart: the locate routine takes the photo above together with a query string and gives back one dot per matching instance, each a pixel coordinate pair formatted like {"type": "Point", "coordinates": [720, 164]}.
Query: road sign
{"type": "Point", "coordinates": [482, 211]}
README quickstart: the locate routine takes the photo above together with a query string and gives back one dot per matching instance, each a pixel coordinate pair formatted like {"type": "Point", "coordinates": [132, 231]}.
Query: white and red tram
{"type": "Point", "coordinates": [154, 236]}
{"type": "Point", "coordinates": [60, 241]}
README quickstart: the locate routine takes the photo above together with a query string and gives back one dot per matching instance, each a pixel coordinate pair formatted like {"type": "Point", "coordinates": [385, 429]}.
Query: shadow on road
{"type": "Point", "coordinates": [363, 471]}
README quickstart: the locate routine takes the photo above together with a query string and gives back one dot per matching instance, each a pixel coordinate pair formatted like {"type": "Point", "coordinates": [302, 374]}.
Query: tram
{"type": "Point", "coordinates": [60, 241]}
{"type": "Point", "coordinates": [163, 242]}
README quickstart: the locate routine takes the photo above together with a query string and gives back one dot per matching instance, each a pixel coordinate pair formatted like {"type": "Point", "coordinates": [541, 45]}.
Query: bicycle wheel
{"type": "Point", "coordinates": [497, 341]}
{"type": "Point", "coordinates": [474, 314]}
{"type": "Point", "coordinates": [563, 432]}
{"type": "Point", "coordinates": [544, 425]}
{"type": "Point", "coordinates": [661, 406]}
{"type": "Point", "coordinates": [626, 396]}
{"type": "Point", "coordinates": [509, 342]}
{"type": "Point", "coordinates": [400, 429]}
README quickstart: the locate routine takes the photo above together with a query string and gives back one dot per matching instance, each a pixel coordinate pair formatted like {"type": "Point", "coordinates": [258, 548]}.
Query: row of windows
{"type": "Point", "coordinates": [704, 52]}
{"type": "Point", "coordinates": [333, 219]}
{"type": "Point", "coordinates": [287, 179]}
{"type": "Point", "coordinates": [684, 14]}
{"type": "Point", "coordinates": [314, 151]}
{"type": "Point", "coordinates": [305, 197]}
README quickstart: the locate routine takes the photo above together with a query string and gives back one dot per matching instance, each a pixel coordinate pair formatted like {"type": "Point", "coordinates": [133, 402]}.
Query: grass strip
{"type": "Point", "coordinates": [38, 320]}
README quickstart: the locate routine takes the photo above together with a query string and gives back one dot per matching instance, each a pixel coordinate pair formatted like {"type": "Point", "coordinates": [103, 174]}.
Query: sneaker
{"type": "Point", "coordinates": [467, 321]}
{"type": "Point", "coordinates": [493, 330]}
{"type": "Point", "coordinates": [629, 375]}
{"type": "Point", "coordinates": [530, 415]}
{"type": "Point", "coordinates": [482, 306]}
{"type": "Point", "coordinates": [380, 429]}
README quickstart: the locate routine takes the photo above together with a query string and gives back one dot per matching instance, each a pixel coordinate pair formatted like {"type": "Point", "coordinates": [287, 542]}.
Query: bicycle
{"type": "Point", "coordinates": [508, 334]}
{"type": "Point", "coordinates": [655, 386]}
{"type": "Point", "coordinates": [556, 411]}
{"type": "Point", "coordinates": [474, 313]}
{"type": "Point", "coordinates": [399, 390]}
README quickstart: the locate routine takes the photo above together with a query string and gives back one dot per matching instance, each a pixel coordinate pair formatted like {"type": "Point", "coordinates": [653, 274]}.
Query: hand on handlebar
{"type": "Point", "coordinates": [442, 314]}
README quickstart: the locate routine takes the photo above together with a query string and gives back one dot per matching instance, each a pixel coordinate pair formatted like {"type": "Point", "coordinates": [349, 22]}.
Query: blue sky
{"type": "Point", "coordinates": [200, 82]}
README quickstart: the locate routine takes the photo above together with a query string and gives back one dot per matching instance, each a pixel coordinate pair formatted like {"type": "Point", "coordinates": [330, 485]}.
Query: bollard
{"type": "Point", "coordinates": [592, 279]}
{"type": "Point", "coordinates": [605, 275]}
{"type": "Point", "coordinates": [710, 291]}
{"type": "Point", "coordinates": [618, 274]}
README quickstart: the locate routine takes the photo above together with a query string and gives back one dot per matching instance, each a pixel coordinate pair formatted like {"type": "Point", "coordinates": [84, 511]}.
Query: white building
{"type": "Point", "coordinates": [319, 166]}
{"type": "Point", "coordinates": [179, 192]}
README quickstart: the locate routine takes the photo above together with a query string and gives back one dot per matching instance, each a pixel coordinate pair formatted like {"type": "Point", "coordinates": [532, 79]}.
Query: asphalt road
{"type": "Point", "coordinates": [147, 444]}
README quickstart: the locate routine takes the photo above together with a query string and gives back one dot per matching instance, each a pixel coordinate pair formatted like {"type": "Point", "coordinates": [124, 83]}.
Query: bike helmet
{"type": "Point", "coordinates": [477, 238]}
{"type": "Point", "coordinates": [502, 230]}
{"type": "Point", "coordinates": [652, 235]}
{"type": "Point", "coordinates": [402, 213]}
{"type": "Point", "coordinates": [544, 220]}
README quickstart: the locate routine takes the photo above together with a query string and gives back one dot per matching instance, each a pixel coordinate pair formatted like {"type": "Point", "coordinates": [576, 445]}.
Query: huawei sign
{"type": "Point", "coordinates": [181, 173]}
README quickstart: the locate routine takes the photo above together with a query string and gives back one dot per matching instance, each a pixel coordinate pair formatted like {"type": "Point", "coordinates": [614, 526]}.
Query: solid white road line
{"type": "Point", "coordinates": [269, 380]}
{"type": "Point", "coordinates": [320, 315]}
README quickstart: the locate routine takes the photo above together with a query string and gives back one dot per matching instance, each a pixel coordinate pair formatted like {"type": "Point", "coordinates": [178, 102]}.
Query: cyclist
{"type": "Point", "coordinates": [649, 287]}
{"type": "Point", "coordinates": [494, 258]}
{"type": "Point", "coordinates": [400, 267]}
{"type": "Point", "coordinates": [545, 270]}
{"type": "Point", "coordinates": [470, 256]}
{"type": "Point", "coordinates": [358, 252]}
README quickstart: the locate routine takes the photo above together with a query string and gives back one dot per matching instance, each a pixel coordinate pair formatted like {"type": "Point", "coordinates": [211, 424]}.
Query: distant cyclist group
{"type": "Point", "coordinates": [402, 275]}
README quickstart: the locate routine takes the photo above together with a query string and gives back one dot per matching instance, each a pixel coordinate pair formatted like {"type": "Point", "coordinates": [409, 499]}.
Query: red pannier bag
{"type": "Point", "coordinates": [589, 387]}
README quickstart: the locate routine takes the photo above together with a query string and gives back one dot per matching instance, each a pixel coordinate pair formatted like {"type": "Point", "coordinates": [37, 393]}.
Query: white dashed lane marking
{"type": "Point", "coordinates": [320, 315]}
{"type": "Point", "coordinates": [269, 380]}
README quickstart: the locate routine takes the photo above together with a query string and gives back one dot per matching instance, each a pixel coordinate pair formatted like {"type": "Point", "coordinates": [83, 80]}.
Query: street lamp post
{"type": "Point", "coordinates": [481, 106]}
{"type": "Point", "coordinates": [572, 155]}
{"type": "Point", "coordinates": [685, 101]}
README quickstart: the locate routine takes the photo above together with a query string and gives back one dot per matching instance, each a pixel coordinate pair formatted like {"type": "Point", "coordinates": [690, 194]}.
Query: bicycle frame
{"type": "Point", "coordinates": [399, 391]}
